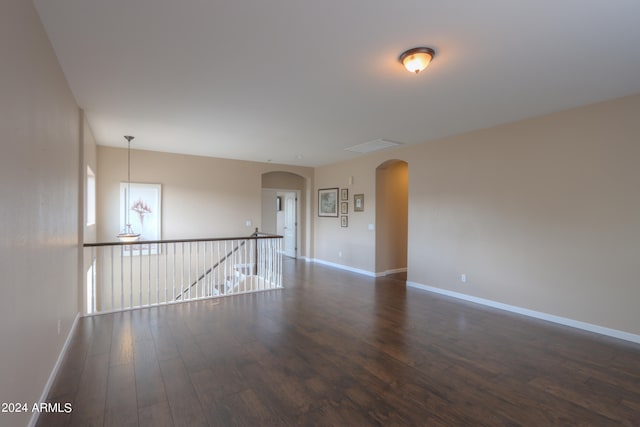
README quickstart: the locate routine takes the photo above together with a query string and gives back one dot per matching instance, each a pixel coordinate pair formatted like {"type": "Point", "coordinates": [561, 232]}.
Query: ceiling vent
{"type": "Point", "coordinates": [371, 146]}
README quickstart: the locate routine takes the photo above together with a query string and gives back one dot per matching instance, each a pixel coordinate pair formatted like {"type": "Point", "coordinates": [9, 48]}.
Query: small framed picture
{"type": "Point", "coordinates": [328, 202]}
{"type": "Point", "coordinates": [344, 221]}
{"type": "Point", "coordinates": [358, 203]}
{"type": "Point", "coordinates": [344, 208]}
{"type": "Point", "coordinates": [344, 194]}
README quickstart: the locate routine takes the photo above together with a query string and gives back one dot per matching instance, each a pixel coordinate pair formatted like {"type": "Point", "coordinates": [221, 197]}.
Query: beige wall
{"type": "Point", "coordinates": [269, 214]}
{"type": "Point", "coordinates": [392, 215]}
{"type": "Point", "coordinates": [542, 214]}
{"type": "Point", "coordinates": [201, 196]}
{"type": "Point", "coordinates": [283, 181]}
{"type": "Point", "coordinates": [39, 169]}
{"type": "Point", "coordinates": [355, 243]}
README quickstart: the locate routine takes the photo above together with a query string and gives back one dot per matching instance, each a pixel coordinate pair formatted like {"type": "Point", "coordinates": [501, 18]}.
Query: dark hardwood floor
{"type": "Point", "coordinates": [340, 349]}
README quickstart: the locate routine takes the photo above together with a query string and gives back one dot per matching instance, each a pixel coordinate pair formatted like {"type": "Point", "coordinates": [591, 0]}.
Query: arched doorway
{"type": "Point", "coordinates": [392, 216]}
{"type": "Point", "coordinates": [283, 212]}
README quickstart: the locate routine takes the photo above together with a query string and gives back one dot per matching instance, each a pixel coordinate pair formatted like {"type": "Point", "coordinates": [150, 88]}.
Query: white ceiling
{"type": "Point", "coordinates": [298, 81]}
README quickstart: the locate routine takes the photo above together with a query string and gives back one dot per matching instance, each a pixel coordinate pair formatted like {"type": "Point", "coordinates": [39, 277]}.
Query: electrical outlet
{"type": "Point", "coordinates": [463, 278]}
{"type": "Point", "coordinates": [340, 253]}
{"type": "Point", "coordinates": [59, 326]}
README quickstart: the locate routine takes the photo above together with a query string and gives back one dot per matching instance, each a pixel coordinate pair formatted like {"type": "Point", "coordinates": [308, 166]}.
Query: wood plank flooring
{"type": "Point", "coordinates": [340, 349]}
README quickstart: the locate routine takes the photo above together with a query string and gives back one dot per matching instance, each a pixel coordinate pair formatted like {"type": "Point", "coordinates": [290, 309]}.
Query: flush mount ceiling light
{"type": "Point", "coordinates": [417, 59]}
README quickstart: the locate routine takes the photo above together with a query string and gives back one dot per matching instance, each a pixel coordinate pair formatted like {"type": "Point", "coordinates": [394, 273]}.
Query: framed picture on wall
{"type": "Point", "coordinates": [344, 194]}
{"type": "Point", "coordinates": [358, 203]}
{"type": "Point", "coordinates": [145, 216]}
{"type": "Point", "coordinates": [328, 202]}
{"type": "Point", "coordinates": [344, 221]}
{"type": "Point", "coordinates": [344, 208]}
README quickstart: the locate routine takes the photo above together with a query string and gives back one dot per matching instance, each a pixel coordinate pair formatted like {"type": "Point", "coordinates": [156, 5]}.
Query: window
{"type": "Point", "coordinates": [91, 197]}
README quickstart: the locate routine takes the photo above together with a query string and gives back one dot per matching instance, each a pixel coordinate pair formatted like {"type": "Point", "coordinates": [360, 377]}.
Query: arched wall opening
{"type": "Point", "coordinates": [284, 196]}
{"type": "Point", "coordinates": [392, 216]}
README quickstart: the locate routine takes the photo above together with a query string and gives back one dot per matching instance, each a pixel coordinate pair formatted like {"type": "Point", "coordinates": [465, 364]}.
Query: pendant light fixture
{"type": "Point", "coordinates": [417, 59]}
{"type": "Point", "coordinates": [127, 234]}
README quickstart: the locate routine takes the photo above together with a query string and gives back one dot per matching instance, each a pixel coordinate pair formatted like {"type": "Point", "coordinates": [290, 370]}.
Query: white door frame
{"type": "Point", "coordinates": [297, 220]}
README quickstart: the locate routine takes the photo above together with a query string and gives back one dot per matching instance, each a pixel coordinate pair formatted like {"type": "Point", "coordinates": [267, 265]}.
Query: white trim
{"type": "Point", "coordinates": [355, 270]}
{"type": "Point", "coordinates": [615, 333]}
{"type": "Point", "coordinates": [298, 212]}
{"type": "Point", "coordinates": [54, 372]}
{"type": "Point", "coordinates": [532, 313]}
{"type": "Point", "coordinates": [305, 258]}
{"type": "Point", "coordinates": [346, 267]}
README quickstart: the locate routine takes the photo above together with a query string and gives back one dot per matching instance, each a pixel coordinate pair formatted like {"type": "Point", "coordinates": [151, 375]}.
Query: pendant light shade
{"type": "Point", "coordinates": [417, 59]}
{"type": "Point", "coordinates": [127, 234]}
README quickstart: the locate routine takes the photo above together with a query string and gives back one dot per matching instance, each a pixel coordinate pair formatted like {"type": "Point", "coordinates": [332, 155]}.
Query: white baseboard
{"type": "Point", "coordinates": [394, 271]}
{"type": "Point", "coordinates": [615, 333]}
{"type": "Point", "coordinates": [532, 313]}
{"type": "Point", "coordinates": [54, 372]}
{"type": "Point", "coordinates": [356, 270]}
{"type": "Point", "coordinates": [345, 267]}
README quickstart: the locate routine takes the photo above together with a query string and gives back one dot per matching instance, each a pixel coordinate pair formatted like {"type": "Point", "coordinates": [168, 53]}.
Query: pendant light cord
{"type": "Point", "coordinates": [127, 234]}
{"type": "Point", "coordinates": [128, 195]}
{"type": "Point", "coordinates": [128, 182]}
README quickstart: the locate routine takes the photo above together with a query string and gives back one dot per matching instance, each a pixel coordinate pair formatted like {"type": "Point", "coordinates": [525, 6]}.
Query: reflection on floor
{"type": "Point", "coordinates": [341, 349]}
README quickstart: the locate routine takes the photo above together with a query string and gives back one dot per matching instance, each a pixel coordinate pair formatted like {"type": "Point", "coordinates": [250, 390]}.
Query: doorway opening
{"type": "Point", "coordinates": [282, 210]}
{"type": "Point", "coordinates": [287, 221]}
{"type": "Point", "coordinates": [392, 217]}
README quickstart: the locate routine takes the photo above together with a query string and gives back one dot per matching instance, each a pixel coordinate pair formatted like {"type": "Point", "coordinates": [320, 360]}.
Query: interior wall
{"type": "Point", "coordinates": [392, 204]}
{"type": "Point", "coordinates": [269, 217]}
{"type": "Point", "coordinates": [39, 170]}
{"type": "Point", "coordinates": [201, 196]}
{"type": "Point", "coordinates": [352, 246]}
{"type": "Point", "coordinates": [542, 214]}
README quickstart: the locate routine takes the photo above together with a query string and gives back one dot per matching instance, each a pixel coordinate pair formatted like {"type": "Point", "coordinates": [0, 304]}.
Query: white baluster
{"type": "Point", "coordinates": [93, 283]}
{"type": "Point", "coordinates": [121, 277]}
{"type": "Point", "coordinates": [139, 276]}
{"type": "Point", "coordinates": [158, 273]}
{"type": "Point", "coordinates": [113, 304]}
{"type": "Point", "coordinates": [173, 292]}
{"type": "Point", "coordinates": [182, 273]}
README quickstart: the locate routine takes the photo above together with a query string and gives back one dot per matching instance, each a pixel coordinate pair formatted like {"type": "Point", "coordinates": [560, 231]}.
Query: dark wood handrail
{"type": "Point", "coordinates": [257, 235]}
{"type": "Point", "coordinates": [254, 236]}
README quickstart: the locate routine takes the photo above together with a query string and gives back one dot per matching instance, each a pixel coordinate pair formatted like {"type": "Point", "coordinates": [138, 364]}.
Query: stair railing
{"type": "Point", "coordinates": [122, 276]}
